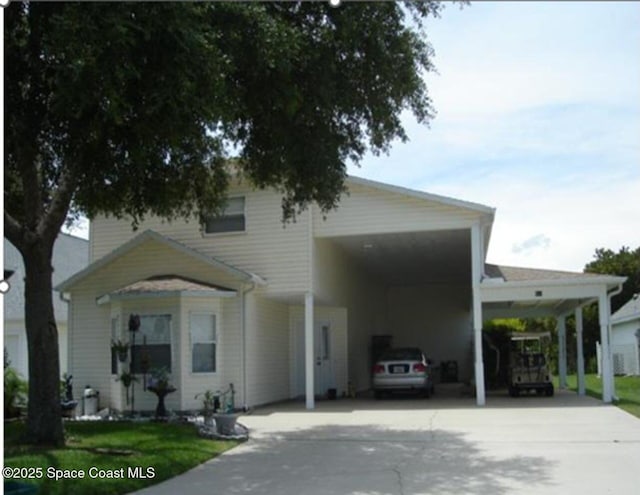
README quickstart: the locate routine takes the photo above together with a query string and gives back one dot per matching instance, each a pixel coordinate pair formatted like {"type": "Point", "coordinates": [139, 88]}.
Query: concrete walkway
{"type": "Point", "coordinates": [565, 444]}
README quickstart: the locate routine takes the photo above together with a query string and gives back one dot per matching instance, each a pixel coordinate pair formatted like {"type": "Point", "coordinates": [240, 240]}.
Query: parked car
{"type": "Point", "coordinates": [402, 369]}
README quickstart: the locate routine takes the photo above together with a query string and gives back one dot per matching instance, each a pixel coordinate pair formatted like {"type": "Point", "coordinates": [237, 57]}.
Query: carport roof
{"type": "Point", "coordinates": [520, 274]}
{"type": "Point", "coordinates": [508, 291]}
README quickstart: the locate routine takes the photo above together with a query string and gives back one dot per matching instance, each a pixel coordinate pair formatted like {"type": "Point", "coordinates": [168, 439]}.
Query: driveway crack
{"type": "Point", "coordinates": [399, 478]}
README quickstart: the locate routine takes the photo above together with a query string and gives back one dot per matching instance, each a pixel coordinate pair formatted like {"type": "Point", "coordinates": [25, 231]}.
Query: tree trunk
{"type": "Point", "coordinates": [44, 420]}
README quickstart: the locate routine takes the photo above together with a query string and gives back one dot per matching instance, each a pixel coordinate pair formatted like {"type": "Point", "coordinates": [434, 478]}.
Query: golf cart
{"type": "Point", "coordinates": [528, 369]}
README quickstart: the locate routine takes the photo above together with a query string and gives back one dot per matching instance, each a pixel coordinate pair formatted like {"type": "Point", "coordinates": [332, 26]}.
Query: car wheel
{"type": "Point", "coordinates": [377, 394]}
{"type": "Point", "coordinates": [514, 392]}
{"type": "Point", "coordinates": [549, 390]}
{"type": "Point", "coordinates": [426, 393]}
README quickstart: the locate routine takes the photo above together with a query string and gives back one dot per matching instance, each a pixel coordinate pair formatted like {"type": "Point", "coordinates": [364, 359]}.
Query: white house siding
{"type": "Point", "coordinates": [90, 324]}
{"type": "Point", "coordinates": [338, 281]}
{"type": "Point", "coordinates": [369, 210]}
{"type": "Point", "coordinates": [275, 251]}
{"type": "Point", "coordinates": [625, 344]}
{"type": "Point", "coordinates": [267, 349]}
{"type": "Point", "coordinates": [15, 343]}
{"type": "Point", "coordinates": [337, 319]}
{"type": "Point", "coordinates": [436, 319]}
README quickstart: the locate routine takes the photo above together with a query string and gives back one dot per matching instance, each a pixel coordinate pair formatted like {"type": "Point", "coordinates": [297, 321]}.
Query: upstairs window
{"type": "Point", "coordinates": [231, 219]}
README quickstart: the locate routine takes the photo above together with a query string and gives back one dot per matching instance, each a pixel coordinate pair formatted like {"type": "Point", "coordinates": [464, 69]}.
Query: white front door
{"type": "Point", "coordinates": [323, 358]}
{"type": "Point", "coordinates": [323, 372]}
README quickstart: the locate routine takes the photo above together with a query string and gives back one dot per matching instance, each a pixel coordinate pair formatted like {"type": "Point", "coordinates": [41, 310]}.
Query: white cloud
{"type": "Point", "coordinates": [539, 241]}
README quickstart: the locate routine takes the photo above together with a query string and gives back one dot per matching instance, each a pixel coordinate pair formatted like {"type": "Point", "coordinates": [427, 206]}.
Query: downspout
{"type": "Point", "coordinates": [613, 293]}
{"type": "Point", "coordinates": [243, 327]}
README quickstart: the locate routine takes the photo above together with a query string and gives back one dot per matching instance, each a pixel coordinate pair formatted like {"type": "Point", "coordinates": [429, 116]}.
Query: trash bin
{"type": "Point", "coordinates": [90, 399]}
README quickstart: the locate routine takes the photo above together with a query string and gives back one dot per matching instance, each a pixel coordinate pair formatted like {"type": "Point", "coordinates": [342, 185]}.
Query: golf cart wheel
{"type": "Point", "coordinates": [549, 390]}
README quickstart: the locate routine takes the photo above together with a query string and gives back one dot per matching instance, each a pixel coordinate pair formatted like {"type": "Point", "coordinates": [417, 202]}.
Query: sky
{"type": "Point", "coordinates": [538, 116]}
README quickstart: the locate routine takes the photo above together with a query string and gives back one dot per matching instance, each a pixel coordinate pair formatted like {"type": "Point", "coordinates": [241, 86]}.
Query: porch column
{"type": "Point", "coordinates": [562, 351]}
{"type": "Point", "coordinates": [308, 350]}
{"type": "Point", "coordinates": [607, 371]}
{"type": "Point", "coordinates": [476, 275]}
{"type": "Point", "coordinates": [579, 352]}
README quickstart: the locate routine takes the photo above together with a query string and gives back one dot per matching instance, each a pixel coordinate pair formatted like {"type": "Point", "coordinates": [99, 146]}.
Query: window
{"type": "Point", "coordinates": [230, 220]}
{"type": "Point", "coordinates": [203, 342]}
{"type": "Point", "coordinates": [153, 344]}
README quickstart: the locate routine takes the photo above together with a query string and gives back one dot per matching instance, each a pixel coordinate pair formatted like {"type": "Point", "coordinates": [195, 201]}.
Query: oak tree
{"type": "Point", "coordinates": [132, 109]}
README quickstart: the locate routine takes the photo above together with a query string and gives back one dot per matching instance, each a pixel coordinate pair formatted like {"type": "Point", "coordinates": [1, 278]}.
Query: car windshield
{"type": "Point", "coordinates": [393, 354]}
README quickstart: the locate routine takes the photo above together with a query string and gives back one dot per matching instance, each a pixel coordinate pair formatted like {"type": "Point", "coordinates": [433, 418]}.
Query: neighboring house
{"type": "Point", "coordinates": [625, 334]}
{"type": "Point", "coordinates": [291, 310]}
{"type": "Point", "coordinates": [70, 255]}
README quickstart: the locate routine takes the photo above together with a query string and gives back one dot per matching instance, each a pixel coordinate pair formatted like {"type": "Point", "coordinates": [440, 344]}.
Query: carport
{"type": "Point", "coordinates": [451, 261]}
{"type": "Point", "coordinates": [512, 292]}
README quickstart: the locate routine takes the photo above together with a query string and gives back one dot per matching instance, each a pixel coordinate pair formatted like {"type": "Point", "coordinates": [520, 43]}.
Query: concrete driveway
{"type": "Point", "coordinates": [565, 444]}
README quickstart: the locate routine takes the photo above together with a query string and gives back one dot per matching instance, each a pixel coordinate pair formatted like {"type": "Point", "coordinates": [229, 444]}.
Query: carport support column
{"type": "Point", "coordinates": [562, 351]}
{"type": "Point", "coordinates": [308, 350]}
{"type": "Point", "coordinates": [476, 275]}
{"type": "Point", "coordinates": [607, 371]}
{"type": "Point", "coordinates": [579, 352]}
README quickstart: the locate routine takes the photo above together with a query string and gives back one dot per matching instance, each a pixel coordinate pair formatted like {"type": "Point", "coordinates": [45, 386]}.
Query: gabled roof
{"type": "Point", "coordinates": [148, 235]}
{"type": "Point", "coordinates": [422, 195]}
{"type": "Point", "coordinates": [630, 311]}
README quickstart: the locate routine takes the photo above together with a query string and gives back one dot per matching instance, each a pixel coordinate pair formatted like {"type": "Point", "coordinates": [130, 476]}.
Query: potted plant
{"type": "Point", "coordinates": [210, 403]}
{"type": "Point", "coordinates": [121, 349]}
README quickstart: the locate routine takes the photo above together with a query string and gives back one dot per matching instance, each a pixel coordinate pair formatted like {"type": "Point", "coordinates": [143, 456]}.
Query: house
{"type": "Point", "coordinates": [291, 310]}
{"type": "Point", "coordinates": [70, 255]}
{"type": "Point", "coordinates": [625, 333]}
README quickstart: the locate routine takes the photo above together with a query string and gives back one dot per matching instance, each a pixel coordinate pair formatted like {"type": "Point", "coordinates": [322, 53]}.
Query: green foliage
{"type": "Point", "coordinates": [15, 392]}
{"type": "Point", "coordinates": [625, 263]}
{"type": "Point", "coordinates": [170, 449]}
{"type": "Point", "coordinates": [133, 106]}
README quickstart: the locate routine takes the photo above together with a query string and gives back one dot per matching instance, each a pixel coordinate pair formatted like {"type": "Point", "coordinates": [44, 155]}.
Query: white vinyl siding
{"type": "Point", "coordinates": [203, 331]}
{"type": "Point", "coordinates": [276, 251]}
{"type": "Point", "coordinates": [267, 350]}
{"type": "Point", "coordinates": [368, 210]}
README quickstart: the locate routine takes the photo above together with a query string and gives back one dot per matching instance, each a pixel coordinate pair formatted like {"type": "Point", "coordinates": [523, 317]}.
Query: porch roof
{"type": "Point", "coordinates": [165, 286]}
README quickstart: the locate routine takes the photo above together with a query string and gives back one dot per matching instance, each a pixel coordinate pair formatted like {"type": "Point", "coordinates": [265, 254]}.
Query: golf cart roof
{"type": "Point", "coordinates": [530, 335]}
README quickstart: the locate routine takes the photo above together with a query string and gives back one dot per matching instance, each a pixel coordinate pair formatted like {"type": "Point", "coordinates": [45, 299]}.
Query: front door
{"type": "Point", "coordinates": [323, 375]}
{"type": "Point", "coordinates": [323, 359]}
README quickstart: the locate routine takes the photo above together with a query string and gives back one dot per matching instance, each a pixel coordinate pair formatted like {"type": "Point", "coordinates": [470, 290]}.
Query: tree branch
{"type": "Point", "coordinates": [13, 231]}
{"type": "Point", "coordinates": [51, 222]}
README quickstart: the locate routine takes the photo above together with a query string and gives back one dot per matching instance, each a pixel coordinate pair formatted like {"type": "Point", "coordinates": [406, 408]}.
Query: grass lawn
{"type": "Point", "coordinates": [170, 449]}
{"type": "Point", "coordinates": [627, 390]}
